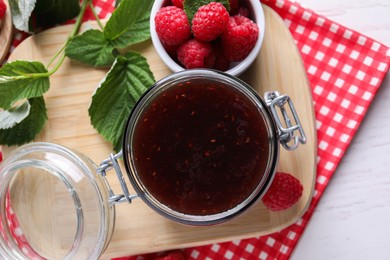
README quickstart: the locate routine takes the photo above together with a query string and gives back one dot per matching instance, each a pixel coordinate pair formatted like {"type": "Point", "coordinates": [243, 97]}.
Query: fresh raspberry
{"type": "Point", "coordinates": [3, 9]}
{"type": "Point", "coordinates": [239, 38]}
{"type": "Point", "coordinates": [173, 255]}
{"type": "Point", "coordinates": [284, 192]}
{"type": "Point", "coordinates": [172, 25]}
{"type": "Point", "coordinates": [178, 3]}
{"type": "Point", "coordinates": [210, 21]}
{"type": "Point", "coordinates": [196, 54]}
{"type": "Point", "coordinates": [234, 5]}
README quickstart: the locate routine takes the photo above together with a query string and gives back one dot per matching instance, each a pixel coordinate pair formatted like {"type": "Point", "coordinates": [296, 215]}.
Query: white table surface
{"type": "Point", "coordinates": [352, 219]}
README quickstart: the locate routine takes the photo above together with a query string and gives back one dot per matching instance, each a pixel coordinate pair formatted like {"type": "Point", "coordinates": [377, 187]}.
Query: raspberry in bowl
{"type": "Point", "coordinates": [213, 35]}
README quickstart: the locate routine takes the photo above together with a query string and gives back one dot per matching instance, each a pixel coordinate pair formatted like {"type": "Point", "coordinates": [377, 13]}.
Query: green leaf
{"type": "Point", "coordinates": [20, 80]}
{"type": "Point", "coordinates": [127, 17]}
{"type": "Point", "coordinates": [129, 77]}
{"type": "Point", "coordinates": [91, 48]}
{"type": "Point", "coordinates": [135, 33]}
{"type": "Point", "coordinates": [51, 12]}
{"type": "Point", "coordinates": [27, 129]}
{"type": "Point", "coordinates": [192, 6]}
{"type": "Point", "coordinates": [21, 12]}
{"type": "Point", "coordinates": [43, 6]}
{"type": "Point", "coordinates": [13, 116]}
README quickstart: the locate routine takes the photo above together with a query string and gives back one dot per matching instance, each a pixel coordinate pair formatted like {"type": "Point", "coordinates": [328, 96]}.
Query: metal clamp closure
{"type": "Point", "coordinates": [112, 163]}
{"type": "Point", "coordinates": [291, 132]}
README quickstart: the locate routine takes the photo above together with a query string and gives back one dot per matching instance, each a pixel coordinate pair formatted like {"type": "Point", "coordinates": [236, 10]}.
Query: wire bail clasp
{"type": "Point", "coordinates": [291, 132]}
{"type": "Point", "coordinates": [112, 163]}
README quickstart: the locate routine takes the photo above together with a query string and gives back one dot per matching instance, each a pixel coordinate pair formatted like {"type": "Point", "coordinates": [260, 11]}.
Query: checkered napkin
{"type": "Point", "coordinates": [345, 70]}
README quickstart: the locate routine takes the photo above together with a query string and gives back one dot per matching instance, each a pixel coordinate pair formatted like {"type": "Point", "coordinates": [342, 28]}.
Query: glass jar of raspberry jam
{"type": "Point", "coordinates": [200, 147]}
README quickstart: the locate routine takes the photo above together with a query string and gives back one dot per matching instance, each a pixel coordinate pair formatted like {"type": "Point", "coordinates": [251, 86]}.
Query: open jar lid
{"type": "Point", "coordinates": [53, 205]}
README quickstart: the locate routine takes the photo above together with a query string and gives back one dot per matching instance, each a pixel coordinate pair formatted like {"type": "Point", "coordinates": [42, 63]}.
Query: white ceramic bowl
{"type": "Point", "coordinates": [237, 68]}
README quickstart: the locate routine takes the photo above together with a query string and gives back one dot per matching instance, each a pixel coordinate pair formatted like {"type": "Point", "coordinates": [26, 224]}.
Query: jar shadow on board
{"type": "Point", "coordinates": [200, 147]}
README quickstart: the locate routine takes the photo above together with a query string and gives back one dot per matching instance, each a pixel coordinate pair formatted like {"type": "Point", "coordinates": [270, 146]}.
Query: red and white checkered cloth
{"type": "Point", "coordinates": [345, 70]}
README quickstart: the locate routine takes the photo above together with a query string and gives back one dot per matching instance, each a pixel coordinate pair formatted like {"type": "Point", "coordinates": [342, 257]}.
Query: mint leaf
{"type": "Point", "coordinates": [91, 48]}
{"type": "Point", "coordinates": [21, 11]}
{"type": "Point", "coordinates": [13, 116]}
{"type": "Point", "coordinates": [27, 129]}
{"type": "Point", "coordinates": [192, 6]}
{"type": "Point", "coordinates": [20, 80]}
{"type": "Point", "coordinates": [129, 15]}
{"type": "Point", "coordinates": [129, 77]}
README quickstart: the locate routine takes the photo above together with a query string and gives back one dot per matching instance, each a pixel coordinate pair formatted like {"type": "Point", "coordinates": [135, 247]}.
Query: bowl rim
{"type": "Point", "coordinates": [238, 68]}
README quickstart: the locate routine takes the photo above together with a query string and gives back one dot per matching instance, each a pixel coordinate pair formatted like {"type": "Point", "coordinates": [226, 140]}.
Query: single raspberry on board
{"type": "Point", "coordinates": [196, 54]}
{"type": "Point", "coordinates": [210, 21]}
{"type": "Point", "coordinates": [239, 38]}
{"type": "Point", "coordinates": [172, 25]}
{"type": "Point", "coordinates": [178, 3]}
{"type": "Point", "coordinates": [3, 9]}
{"type": "Point", "coordinates": [284, 192]}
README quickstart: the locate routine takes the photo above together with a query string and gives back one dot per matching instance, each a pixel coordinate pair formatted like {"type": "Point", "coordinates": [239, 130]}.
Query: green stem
{"type": "Point", "coordinates": [56, 55]}
{"type": "Point", "coordinates": [79, 20]}
{"type": "Point", "coordinates": [96, 16]}
{"type": "Point", "coordinates": [60, 55]}
{"type": "Point", "coordinates": [58, 65]}
{"type": "Point", "coordinates": [74, 32]}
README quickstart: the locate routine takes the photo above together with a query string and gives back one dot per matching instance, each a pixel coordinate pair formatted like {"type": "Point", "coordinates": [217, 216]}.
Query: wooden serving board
{"type": "Point", "coordinates": [138, 228]}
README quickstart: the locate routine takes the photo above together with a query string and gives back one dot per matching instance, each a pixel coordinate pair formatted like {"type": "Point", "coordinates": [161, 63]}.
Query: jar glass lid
{"type": "Point", "coordinates": [52, 205]}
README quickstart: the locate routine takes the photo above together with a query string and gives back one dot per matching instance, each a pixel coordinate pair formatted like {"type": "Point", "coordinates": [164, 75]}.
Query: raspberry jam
{"type": "Point", "coordinates": [200, 147]}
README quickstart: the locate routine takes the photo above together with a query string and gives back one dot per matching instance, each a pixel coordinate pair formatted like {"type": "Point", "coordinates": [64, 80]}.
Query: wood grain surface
{"type": "Point", "coordinates": [139, 229]}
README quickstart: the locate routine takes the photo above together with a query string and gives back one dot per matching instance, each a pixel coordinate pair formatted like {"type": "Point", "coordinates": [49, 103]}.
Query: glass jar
{"type": "Point", "coordinates": [57, 204]}
{"type": "Point", "coordinates": [53, 205]}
